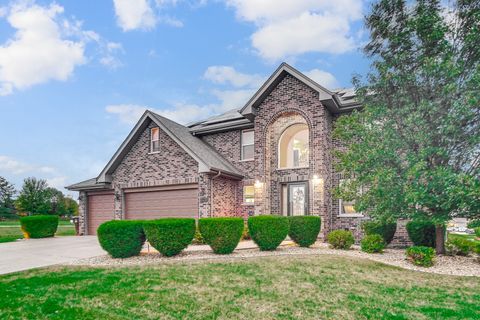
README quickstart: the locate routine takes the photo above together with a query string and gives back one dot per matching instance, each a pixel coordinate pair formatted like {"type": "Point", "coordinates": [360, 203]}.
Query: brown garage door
{"type": "Point", "coordinates": [153, 204]}
{"type": "Point", "coordinates": [100, 209]}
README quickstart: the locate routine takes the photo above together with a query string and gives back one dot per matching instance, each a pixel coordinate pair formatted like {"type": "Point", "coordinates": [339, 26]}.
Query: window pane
{"type": "Point", "coordinates": [155, 134]}
{"type": "Point", "coordinates": [348, 207]}
{"type": "Point", "coordinates": [248, 194]}
{"type": "Point", "coordinates": [155, 146]}
{"type": "Point", "coordinates": [294, 147]}
{"type": "Point", "coordinates": [248, 152]}
{"type": "Point", "coordinates": [247, 137]}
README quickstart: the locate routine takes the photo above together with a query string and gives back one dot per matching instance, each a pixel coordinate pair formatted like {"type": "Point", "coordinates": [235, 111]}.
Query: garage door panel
{"type": "Point", "coordinates": [100, 209]}
{"type": "Point", "coordinates": [160, 204]}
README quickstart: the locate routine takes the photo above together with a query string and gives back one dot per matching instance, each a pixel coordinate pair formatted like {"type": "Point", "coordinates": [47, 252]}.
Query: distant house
{"type": "Point", "coordinates": [272, 156]}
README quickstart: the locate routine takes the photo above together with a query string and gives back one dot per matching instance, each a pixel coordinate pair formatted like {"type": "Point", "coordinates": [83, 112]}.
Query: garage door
{"type": "Point", "coordinates": [100, 209]}
{"type": "Point", "coordinates": [181, 202]}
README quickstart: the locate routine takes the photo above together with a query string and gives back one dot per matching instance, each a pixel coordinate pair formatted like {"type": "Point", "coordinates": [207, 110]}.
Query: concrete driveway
{"type": "Point", "coordinates": [34, 253]}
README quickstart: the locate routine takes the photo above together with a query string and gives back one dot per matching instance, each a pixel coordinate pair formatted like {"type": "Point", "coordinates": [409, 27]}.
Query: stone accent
{"type": "Point", "coordinates": [204, 195]}
{"type": "Point", "coordinates": [82, 211]}
{"type": "Point", "coordinates": [401, 239]}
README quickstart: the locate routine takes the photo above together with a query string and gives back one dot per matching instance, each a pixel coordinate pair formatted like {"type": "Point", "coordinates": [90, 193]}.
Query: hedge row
{"type": "Point", "coordinates": [41, 226]}
{"type": "Point", "coordinates": [125, 238]}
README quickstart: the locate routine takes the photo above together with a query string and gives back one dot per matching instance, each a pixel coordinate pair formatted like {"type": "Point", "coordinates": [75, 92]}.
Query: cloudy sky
{"type": "Point", "coordinates": [76, 75]}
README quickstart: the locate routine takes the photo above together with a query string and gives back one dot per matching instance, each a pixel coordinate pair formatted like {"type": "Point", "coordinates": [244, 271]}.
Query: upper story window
{"type": "Point", "coordinates": [293, 147]}
{"type": "Point", "coordinates": [247, 145]}
{"type": "Point", "coordinates": [155, 140]}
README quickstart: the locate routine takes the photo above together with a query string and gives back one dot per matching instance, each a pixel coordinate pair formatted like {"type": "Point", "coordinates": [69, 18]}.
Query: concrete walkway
{"type": "Point", "coordinates": [34, 253]}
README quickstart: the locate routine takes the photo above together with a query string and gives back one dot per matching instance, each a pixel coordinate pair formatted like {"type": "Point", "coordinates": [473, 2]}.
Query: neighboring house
{"type": "Point", "coordinates": [273, 156]}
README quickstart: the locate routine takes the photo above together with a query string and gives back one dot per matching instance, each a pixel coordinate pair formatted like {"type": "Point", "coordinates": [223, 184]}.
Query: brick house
{"type": "Point", "coordinates": [273, 156]}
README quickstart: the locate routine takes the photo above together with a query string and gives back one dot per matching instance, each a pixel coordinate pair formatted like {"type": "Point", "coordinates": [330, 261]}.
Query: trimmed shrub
{"type": "Point", "coordinates": [170, 235]}
{"type": "Point", "coordinates": [304, 229]}
{"type": "Point", "coordinates": [221, 234]}
{"type": "Point", "coordinates": [373, 243]}
{"type": "Point", "coordinates": [340, 239]}
{"type": "Point", "coordinates": [41, 226]}
{"type": "Point", "coordinates": [268, 231]}
{"type": "Point", "coordinates": [421, 232]}
{"type": "Point", "coordinates": [477, 232]}
{"type": "Point", "coordinates": [458, 246]}
{"type": "Point", "coordinates": [421, 255]}
{"type": "Point", "coordinates": [474, 224]}
{"type": "Point", "coordinates": [121, 238]}
{"type": "Point", "coordinates": [385, 229]}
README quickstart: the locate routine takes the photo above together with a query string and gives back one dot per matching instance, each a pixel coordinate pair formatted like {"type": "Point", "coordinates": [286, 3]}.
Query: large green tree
{"type": "Point", "coordinates": [7, 191]}
{"type": "Point", "coordinates": [414, 148]}
{"type": "Point", "coordinates": [34, 197]}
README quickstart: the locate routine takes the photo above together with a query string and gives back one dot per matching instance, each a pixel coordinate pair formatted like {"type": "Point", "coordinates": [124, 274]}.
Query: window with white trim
{"type": "Point", "coordinates": [154, 140]}
{"type": "Point", "coordinates": [247, 141]}
{"type": "Point", "coordinates": [248, 194]}
{"type": "Point", "coordinates": [347, 208]}
{"type": "Point", "coordinates": [293, 147]}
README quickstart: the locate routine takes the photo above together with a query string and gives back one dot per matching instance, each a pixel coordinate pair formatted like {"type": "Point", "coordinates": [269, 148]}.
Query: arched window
{"type": "Point", "coordinates": [293, 147]}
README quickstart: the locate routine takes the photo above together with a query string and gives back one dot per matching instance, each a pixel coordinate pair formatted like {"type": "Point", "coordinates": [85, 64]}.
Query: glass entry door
{"type": "Point", "coordinates": [297, 195]}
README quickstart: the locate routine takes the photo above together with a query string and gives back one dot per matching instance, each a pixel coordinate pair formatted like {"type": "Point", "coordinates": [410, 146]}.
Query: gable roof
{"type": "Point", "coordinates": [335, 101]}
{"type": "Point", "coordinates": [208, 159]}
{"type": "Point", "coordinates": [87, 185]}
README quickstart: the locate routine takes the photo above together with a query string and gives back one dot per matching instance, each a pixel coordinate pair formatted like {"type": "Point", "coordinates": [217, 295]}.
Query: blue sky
{"type": "Point", "coordinates": [75, 75]}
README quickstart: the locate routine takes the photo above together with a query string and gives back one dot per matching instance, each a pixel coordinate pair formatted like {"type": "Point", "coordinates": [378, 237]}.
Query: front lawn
{"type": "Point", "coordinates": [10, 230]}
{"type": "Point", "coordinates": [320, 287]}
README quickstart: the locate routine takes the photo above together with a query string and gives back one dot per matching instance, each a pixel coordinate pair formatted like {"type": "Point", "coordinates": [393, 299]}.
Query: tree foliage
{"type": "Point", "coordinates": [36, 197]}
{"type": "Point", "coordinates": [7, 191]}
{"type": "Point", "coordinates": [415, 147]}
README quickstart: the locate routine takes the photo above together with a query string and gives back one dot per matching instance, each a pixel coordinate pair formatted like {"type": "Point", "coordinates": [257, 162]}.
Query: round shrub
{"type": "Point", "coordinates": [268, 231]}
{"type": "Point", "coordinates": [41, 226]}
{"type": "Point", "coordinates": [221, 234]}
{"type": "Point", "coordinates": [121, 238]}
{"type": "Point", "coordinates": [474, 224]}
{"type": "Point", "coordinates": [304, 229]}
{"type": "Point", "coordinates": [170, 235]}
{"type": "Point", "coordinates": [340, 239]}
{"type": "Point", "coordinates": [422, 233]}
{"type": "Point", "coordinates": [458, 246]}
{"type": "Point", "coordinates": [477, 232]}
{"type": "Point", "coordinates": [421, 256]}
{"type": "Point", "coordinates": [373, 243]}
{"type": "Point", "coordinates": [385, 229]}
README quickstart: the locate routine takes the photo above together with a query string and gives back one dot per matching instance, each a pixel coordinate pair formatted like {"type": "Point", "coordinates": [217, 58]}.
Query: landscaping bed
{"type": "Point", "coordinates": [10, 230]}
{"type": "Point", "coordinates": [448, 265]}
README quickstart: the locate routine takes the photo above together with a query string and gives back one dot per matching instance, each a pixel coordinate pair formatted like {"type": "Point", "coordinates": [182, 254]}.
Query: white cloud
{"type": "Point", "coordinates": [231, 99]}
{"type": "Point", "coordinates": [109, 57]}
{"type": "Point", "coordinates": [143, 14]}
{"type": "Point", "coordinates": [134, 14]}
{"type": "Point", "coordinates": [46, 46]}
{"type": "Point", "coordinates": [228, 75]}
{"type": "Point", "coordinates": [288, 28]}
{"type": "Point", "coordinates": [37, 52]}
{"type": "Point", "coordinates": [13, 166]}
{"type": "Point", "coordinates": [323, 78]}
{"type": "Point", "coordinates": [57, 182]}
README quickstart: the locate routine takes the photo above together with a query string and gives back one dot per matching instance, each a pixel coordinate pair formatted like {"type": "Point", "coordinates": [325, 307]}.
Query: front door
{"type": "Point", "coordinates": [297, 199]}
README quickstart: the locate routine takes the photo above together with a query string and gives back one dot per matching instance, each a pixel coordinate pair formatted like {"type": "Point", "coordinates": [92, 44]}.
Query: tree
{"type": "Point", "coordinates": [35, 197]}
{"type": "Point", "coordinates": [7, 191]}
{"type": "Point", "coordinates": [414, 148]}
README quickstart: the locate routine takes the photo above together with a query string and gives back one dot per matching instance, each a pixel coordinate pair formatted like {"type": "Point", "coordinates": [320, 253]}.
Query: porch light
{"type": "Point", "coordinates": [258, 184]}
{"type": "Point", "coordinates": [316, 179]}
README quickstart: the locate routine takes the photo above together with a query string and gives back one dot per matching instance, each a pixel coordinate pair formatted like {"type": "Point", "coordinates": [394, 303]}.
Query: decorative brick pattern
{"type": "Point", "coordinates": [224, 197]}
{"type": "Point", "coordinates": [82, 210]}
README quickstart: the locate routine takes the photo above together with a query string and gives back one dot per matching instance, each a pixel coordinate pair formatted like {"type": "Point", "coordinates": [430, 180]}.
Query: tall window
{"type": "Point", "coordinates": [155, 140]}
{"type": "Point", "coordinates": [247, 145]}
{"type": "Point", "coordinates": [293, 147]}
{"type": "Point", "coordinates": [347, 208]}
{"type": "Point", "coordinates": [248, 194]}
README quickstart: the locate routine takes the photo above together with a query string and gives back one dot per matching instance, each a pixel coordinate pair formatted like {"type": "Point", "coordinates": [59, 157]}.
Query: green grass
{"type": "Point", "coordinates": [10, 230]}
{"type": "Point", "coordinates": [470, 237]}
{"type": "Point", "coordinates": [322, 287]}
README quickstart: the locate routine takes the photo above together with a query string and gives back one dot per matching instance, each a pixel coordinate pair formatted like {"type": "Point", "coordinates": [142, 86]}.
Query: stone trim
{"type": "Point", "coordinates": [156, 183]}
